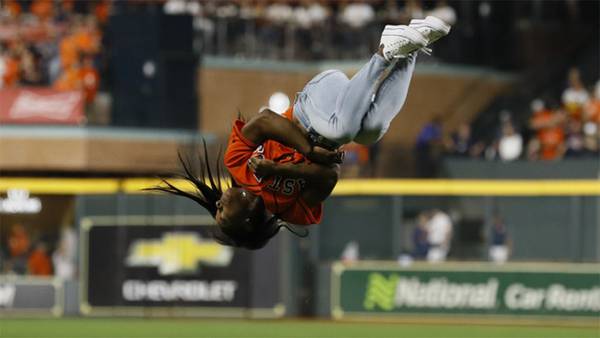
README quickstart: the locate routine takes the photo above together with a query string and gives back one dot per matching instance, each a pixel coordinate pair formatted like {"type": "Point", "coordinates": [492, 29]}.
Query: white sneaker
{"type": "Point", "coordinates": [400, 41]}
{"type": "Point", "coordinates": [431, 28]}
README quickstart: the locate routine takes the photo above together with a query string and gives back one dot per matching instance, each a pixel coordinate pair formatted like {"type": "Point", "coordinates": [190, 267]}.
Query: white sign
{"type": "Point", "coordinates": [175, 290]}
{"type": "Point", "coordinates": [57, 106]}
{"type": "Point", "coordinates": [439, 292]}
{"type": "Point", "coordinates": [7, 295]}
{"type": "Point", "coordinates": [554, 297]}
{"type": "Point", "coordinates": [19, 202]}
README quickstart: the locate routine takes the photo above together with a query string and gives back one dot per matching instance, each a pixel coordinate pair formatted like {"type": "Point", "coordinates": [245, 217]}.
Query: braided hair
{"type": "Point", "coordinates": [209, 190]}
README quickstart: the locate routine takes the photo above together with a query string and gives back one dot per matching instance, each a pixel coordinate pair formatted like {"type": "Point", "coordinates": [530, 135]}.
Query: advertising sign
{"type": "Point", "coordinates": [162, 266]}
{"type": "Point", "coordinates": [29, 295]}
{"type": "Point", "coordinates": [464, 291]}
{"type": "Point", "coordinates": [40, 105]}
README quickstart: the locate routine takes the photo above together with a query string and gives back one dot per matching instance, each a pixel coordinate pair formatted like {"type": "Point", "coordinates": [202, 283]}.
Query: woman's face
{"type": "Point", "coordinates": [235, 206]}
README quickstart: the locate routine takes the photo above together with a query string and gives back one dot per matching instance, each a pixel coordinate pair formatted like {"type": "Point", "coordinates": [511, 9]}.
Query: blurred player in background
{"type": "Point", "coordinates": [284, 167]}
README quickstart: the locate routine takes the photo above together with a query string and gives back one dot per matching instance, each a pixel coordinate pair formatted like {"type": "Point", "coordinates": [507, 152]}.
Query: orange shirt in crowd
{"type": "Point", "coordinates": [101, 11]}
{"type": "Point", "coordinates": [13, 69]}
{"type": "Point", "coordinates": [42, 9]}
{"type": "Point", "coordinates": [68, 5]}
{"type": "Point", "coordinates": [39, 263]}
{"type": "Point", "coordinates": [13, 8]}
{"type": "Point", "coordinates": [68, 51]}
{"type": "Point", "coordinates": [86, 41]}
{"type": "Point", "coordinates": [90, 81]}
{"type": "Point", "coordinates": [18, 241]}
{"type": "Point", "coordinates": [592, 110]}
{"type": "Point", "coordinates": [70, 79]}
{"type": "Point", "coordinates": [551, 138]}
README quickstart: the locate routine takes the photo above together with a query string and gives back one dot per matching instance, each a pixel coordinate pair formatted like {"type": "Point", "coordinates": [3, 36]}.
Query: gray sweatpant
{"type": "Point", "coordinates": [358, 109]}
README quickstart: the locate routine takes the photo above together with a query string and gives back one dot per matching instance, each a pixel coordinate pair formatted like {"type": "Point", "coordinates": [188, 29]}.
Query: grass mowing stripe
{"type": "Point", "coordinates": [188, 328]}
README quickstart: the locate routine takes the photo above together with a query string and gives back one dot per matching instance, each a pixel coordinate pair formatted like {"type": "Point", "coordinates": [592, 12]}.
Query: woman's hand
{"type": "Point", "coordinates": [324, 156]}
{"type": "Point", "coordinates": [262, 167]}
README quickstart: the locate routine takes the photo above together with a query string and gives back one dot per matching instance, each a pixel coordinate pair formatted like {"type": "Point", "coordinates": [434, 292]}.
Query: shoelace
{"type": "Point", "coordinates": [425, 50]}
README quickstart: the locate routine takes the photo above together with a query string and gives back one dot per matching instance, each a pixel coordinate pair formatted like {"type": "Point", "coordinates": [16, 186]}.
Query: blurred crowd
{"type": "Point", "coordinates": [561, 127]}
{"type": "Point", "coordinates": [52, 43]}
{"type": "Point", "coordinates": [432, 236]}
{"type": "Point", "coordinates": [24, 253]}
{"type": "Point", "coordinates": [300, 29]}
{"type": "Point", "coordinates": [434, 231]}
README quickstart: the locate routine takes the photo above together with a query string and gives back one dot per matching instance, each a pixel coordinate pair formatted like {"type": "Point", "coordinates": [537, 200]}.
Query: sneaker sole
{"type": "Point", "coordinates": [433, 23]}
{"type": "Point", "coordinates": [414, 35]}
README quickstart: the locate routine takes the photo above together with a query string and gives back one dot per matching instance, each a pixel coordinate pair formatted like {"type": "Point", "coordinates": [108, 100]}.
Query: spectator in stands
{"type": "Point", "coordinates": [547, 124]}
{"type": "Point", "coordinates": [355, 18]}
{"type": "Point", "coordinates": [575, 141]}
{"type": "Point", "coordinates": [356, 160]}
{"type": "Point", "coordinates": [310, 22]}
{"type": "Point", "coordinates": [591, 114]}
{"type": "Point", "coordinates": [13, 8]}
{"type": "Point", "coordinates": [356, 14]}
{"type": "Point", "coordinates": [39, 263]}
{"type": "Point", "coordinates": [444, 12]}
{"type": "Point", "coordinates": [439, 236]}
{"type": "Point", "coordinates": [510, 144]}
{"type": "Point", "coordinates": [42, 9]}
{"type": "Point", "coordinates": [461, 143]}
{"type": "Point", "coordinates": [70, 79]}
{"type": "Point", "coordinates": [427, 148]}
{"type": "Point", "coordinates": [30, 74]}
{"type": "Point", "coordinates": [591, 126]}
{"type": "Point", "coordinates": [413, 9]}
{"type": "Point", "coordinates": [18, 247]}
{"type": "Point", "coordinates": [68, 46]}
{"type": "Point", "coordinates": [272, 32]}
{"type": "Point", "coordinates": [101, 11]}
{"type": "Point", "coordinates": [591, 139]}
{"type": "Point", "coordinates": [65, 254]}
{"type": "Point", "coordinates": [12, 69]}
{"type": "Point", "coordinates": [575, 97]}
{"type": "Point", "coordinates": [351, 252]}
{"type": "Point", "coordinates": [88, 36]}
{"type": "Point", "coordinates": [391, 13]}
{"type": "Point", "coordinates": [420, 237]}
{"type": "Point", "coordinates": [500, 243]}
{"type": "Point", "coordinates": [89, 79]}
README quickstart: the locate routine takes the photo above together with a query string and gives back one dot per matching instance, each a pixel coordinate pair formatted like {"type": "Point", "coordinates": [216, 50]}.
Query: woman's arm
{"type": "Point", "coordinates": [271, 126]}
{"type": "Point", "coordinates": [320, 179]}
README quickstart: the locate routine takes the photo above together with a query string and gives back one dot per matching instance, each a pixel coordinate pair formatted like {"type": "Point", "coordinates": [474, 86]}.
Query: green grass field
{"type": "Point", "coordinates": [163, 328]}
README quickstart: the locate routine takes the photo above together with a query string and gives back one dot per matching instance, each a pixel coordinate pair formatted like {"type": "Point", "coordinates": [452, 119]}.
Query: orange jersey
{"type": "Point", "coordinates": [593, 111]}
{"type": "Point", "coordinates": [282, 196]}
{"type": "Point", "coordinates": [550, 138]}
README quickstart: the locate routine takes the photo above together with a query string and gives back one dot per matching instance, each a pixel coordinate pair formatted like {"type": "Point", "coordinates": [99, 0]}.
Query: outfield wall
{"type": "Point", "coordinates": [550, 220]}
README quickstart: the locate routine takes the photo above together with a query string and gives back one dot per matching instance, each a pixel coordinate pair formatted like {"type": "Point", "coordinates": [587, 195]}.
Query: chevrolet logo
{"type": "Point", "coordinates": [178, 252]}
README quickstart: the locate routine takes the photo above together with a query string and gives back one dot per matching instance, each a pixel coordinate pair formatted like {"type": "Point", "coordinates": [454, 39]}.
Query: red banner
{"type": "Point", "coordinates": [41, 105]}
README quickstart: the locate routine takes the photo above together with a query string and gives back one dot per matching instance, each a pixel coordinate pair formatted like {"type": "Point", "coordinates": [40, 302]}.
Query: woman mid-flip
{"type": "Point", "coordinates": [284, 167]}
